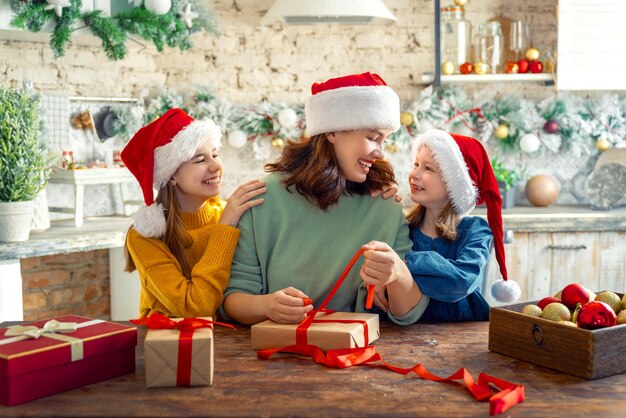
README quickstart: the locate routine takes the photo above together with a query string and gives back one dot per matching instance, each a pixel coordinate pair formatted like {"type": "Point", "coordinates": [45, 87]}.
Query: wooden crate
{"type": "Point", "coordinates": [576, 351]}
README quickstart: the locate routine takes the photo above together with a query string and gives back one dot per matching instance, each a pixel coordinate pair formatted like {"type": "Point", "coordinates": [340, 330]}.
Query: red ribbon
{"type": "Point", "coordinates": [509, 395]}
{"type": "Point", "coordinates": [187, 327]}
{"type": "Point", "coordinates": [460, 112]}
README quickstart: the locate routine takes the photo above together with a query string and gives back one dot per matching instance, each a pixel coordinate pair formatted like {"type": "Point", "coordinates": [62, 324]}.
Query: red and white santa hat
{"type": "Point", "coordinates": [358, 101]}
{"type": "Point", "coordinates": [468, 175]}
{"type": "Point", "coordinates": [154, 154]}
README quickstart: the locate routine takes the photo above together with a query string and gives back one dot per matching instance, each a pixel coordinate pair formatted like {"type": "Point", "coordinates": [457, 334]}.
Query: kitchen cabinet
{"type": "Point", "coordinates": [545, 262]}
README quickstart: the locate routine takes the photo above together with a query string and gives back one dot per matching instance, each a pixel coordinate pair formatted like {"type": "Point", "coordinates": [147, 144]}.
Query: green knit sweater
{"type": "Point", "coordinates": [289, 241]}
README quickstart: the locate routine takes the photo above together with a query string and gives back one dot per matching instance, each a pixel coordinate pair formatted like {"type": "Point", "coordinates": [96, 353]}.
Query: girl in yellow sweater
{"type": "Point", "coordinates": [182, 242]}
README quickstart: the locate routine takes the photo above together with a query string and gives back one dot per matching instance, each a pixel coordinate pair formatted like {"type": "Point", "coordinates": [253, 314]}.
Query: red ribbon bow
{"type": "Point", "coordinates": [509, 395]}
{"type": "Point", "coordinates": [187, 326]}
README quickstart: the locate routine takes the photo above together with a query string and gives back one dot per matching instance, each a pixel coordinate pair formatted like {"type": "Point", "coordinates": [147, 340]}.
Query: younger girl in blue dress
{"type": "Point", "coordinates": [450, 175]}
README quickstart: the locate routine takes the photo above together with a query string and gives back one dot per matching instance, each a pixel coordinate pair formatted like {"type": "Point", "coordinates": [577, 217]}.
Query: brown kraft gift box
{"type": "Point", "coordinates": [325, 335]}
{"type": "Point", "coordinates": [161, 357]}
{"type": "Point", "coordinates": [572, 350]}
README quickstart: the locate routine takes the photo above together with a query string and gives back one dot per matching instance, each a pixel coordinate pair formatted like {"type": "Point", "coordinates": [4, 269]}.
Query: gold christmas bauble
{"type": "Point", "coordinates": [391, 148]}
{"type": "Point", "coordinates": [542, 190]}
{"type": "Point", "coordinates": [406, 118]}
{"type": "Point", "coordinates": [501, 132]}
{"type": "Point", "coordinates": [481, 67]}
{"type": "Point", "coordinates": [460, 2]}
{"type": "Point", "coordinates": [532, 54]}
{"type": "Point", "coordinates": [278, 142]}
{"type": "Point", "coordinates": [603, 144]}
{"type": "Point", "coordinates": [447, 68]}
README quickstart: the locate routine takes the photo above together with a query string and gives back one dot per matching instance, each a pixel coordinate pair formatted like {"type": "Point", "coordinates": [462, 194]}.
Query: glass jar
{"type": "Point", "coordinates": [455, 37]}
{"type": "Point", "coordinates": [489, 46]}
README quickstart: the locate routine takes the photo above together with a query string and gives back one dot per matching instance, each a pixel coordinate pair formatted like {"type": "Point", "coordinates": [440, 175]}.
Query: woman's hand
{"type": "Point", "coordinates": [288, 306]}
{"type": "Point", "coordinates": [388, 192]}
{"type": "Point", "coordinates": [382, 267]}
{"type": "Point", "coordinates": [241, 200]}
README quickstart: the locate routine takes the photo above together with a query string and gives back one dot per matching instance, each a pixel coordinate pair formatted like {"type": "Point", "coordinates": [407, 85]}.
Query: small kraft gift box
{"type": "Point", "coordinates": [177, 351]}
{"type": "Point", "coordinates": [328, 331]}
{"type": "Point", "coordinates": [66, 352]}
{"type": "Point", "coordinates": [588, 354]}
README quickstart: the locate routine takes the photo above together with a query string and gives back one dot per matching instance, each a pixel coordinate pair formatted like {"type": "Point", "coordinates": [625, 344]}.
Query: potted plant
{"type": "Point", "coordinates": [507, 179]}
{"type": "Point", "coordinates": [23, 160]}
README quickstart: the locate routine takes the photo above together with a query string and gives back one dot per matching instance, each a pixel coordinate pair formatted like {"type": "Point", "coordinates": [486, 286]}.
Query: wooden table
{"type": "Point", "coordinates": [246, 386]}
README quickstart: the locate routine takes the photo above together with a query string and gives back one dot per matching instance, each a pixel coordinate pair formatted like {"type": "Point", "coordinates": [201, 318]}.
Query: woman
{"type": "Point", "coordinates": [321, 212]}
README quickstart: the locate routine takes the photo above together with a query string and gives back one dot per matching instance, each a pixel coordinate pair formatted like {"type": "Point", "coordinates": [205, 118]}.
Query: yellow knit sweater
{"type": "Point", "coordinates": [164, 288]}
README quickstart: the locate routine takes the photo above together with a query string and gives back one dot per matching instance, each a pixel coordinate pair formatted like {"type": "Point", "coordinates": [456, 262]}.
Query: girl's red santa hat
{"type": "Point", "coordinates": [469, 179]}
{"type": "Point", "coordinates": [358, 101]}
{"type": "Point", "coordinates": [154, 154]}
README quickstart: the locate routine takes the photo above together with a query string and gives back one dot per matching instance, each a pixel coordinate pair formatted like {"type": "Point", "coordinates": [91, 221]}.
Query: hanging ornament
{"type": "Point", "coordinates": [511, 68]}
{"type": "Point", "coordinates": [278, 142]}
{"type": "Point", "coordinates": [481, 67]}
{"type": "Point", "coordinates": [237, 138]}
{"type": "Point", "coordinates": [532, 54]}
{"type": "Point", "coordinates": [288, 118]}
{"type": "Point", "coordinates": [58, 6]}
{"type": "Point", "coordinates": [529, 143]}
{"type": "Point", "coordinates": [406, 118]}
{"type": "Point", "coordinates": [501, 132]}
{"type": "Point", "coordinates": [551, 127]}
{"type": "Point", "coordinates": [391, 148]}
{"type": "Point", "coordinates": [187, 15]}
{"type": "Point", "coordinates": [158, 7]}
{"type": "Point", "coordinates": [466, 68]}
{"type": "Point", "coordinates": [447, 68]}
{"type": "Point", "coordinates": [535, 66]}
{"type": "Point", "coordinates": [603, 144]}
{"type": "Point", "coordinates": [460, 2]}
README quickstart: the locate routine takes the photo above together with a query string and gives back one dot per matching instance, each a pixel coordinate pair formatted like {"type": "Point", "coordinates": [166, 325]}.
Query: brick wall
{"type": "Point", "coordinates": [251, 61]}
{"type": "Point", "coordinates": [76, 283]}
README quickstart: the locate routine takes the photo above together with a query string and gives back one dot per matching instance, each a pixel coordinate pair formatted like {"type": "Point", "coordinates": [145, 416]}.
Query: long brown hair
{"type": "Point", "coordinates": [176, 238]}
{"type": "Point", "coordinates": [445, 223]}
{"type": "Point", "coordinates": [312, 167]}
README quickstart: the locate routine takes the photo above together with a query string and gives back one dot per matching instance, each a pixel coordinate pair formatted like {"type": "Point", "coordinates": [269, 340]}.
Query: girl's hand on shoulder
{"type": "Point", "coordinates": [387, 192]}
{"type": "Point", "coordinates": [288, 306]}
{"type": "Point", "coordinates": [242, 199]}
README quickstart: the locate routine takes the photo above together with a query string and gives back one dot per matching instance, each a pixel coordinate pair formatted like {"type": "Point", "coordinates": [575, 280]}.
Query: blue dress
{"type": "Point", "coordinates": [451, 273]}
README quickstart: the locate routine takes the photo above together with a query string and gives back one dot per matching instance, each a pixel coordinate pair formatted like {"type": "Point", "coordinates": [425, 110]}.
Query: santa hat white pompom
{"type": "Point", "coordinates": [505, 291]}
{"type": "Point", "coordinates": [149, 221]}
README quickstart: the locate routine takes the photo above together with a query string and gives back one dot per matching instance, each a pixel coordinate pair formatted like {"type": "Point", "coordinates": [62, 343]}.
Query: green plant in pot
{"type": "Point", "coordinates": [23, 161]}
{"type": "Point", "coordinates": [507, 179]}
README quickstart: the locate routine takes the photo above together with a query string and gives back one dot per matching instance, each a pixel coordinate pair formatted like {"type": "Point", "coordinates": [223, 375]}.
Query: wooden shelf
{"type": "Point", "coordinates": [490, 78]}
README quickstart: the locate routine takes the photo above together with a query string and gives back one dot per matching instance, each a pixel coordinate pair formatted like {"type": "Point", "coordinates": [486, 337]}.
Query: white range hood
{"type": "Point", "coordinates": [308, 12]}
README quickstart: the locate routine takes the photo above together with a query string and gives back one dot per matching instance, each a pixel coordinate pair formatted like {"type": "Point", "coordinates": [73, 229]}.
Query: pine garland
{"type": "Point", "coordinates": [161, 30]}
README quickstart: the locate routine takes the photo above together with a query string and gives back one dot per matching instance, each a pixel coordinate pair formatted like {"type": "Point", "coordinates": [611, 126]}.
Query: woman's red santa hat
{"type": "Point", "coordinates": [352, 102]}
{"type": "Point", "coordinates": [154, 154]}
{"type": "Point", "coordinates": [469, 179]}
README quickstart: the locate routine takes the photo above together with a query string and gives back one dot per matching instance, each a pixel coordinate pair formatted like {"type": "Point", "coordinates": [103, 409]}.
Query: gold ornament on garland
{"type": "Point", "coordinates": [406, 118]}
{"type": "Point", "coordinates": [501, 132]}
{"type": "Point", "coordinates": [460, 2]}
{"type": "Point", "coordinates": [278, 142]}
{"type": "Point", "coordinates": [391, 148]}
{"type": "Point", "coordinates": [603, 144]}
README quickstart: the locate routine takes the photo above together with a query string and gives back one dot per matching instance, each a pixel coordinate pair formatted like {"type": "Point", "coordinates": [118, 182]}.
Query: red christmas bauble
{"type": "Point", "coordinates": [522, 66]}
{"type": "Point", "coordinates": [536, 66]}
{"type": "Point", "coordinates": [596, 314]}
{"type": "Point", "coordinates": [466, 68]}
{"type": "Point", "coordinates": [551, 127]}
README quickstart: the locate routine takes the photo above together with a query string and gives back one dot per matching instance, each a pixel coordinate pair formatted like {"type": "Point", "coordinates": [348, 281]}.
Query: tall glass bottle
{"type": "Point", "coordinates": [489, 46]}
{"type": "Point", "coordinates": [455, 37]}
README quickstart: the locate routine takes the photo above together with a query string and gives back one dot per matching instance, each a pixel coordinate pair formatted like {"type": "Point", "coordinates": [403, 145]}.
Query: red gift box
{"type": "Point", "coordinates": [43, 358]}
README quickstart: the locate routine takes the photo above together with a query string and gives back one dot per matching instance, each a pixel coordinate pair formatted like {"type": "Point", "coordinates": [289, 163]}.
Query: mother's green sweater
{"type": "Point", "coordinates": [289, 241]}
